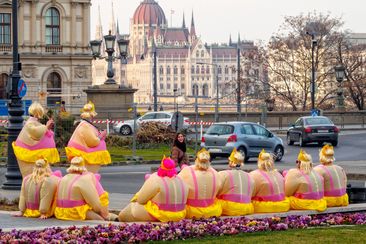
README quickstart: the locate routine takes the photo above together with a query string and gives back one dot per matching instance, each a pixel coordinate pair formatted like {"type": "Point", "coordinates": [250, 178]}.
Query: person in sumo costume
{"type": "Point", "coordinates": [237, 188]}
{"type": "Point", "coordinates": [37, 195]}
{"type": "Point", "coordinates": [304, 186]}
{"type": "Point", "coordinates": [88, 142]}
{"type": "Point", "coordinates": [269, 192]}
{"type": "Point", "coordinates": [162, 197]}
{"type": "Point", "coordinates": [335, 179]}
{"type": "Point", "coordinates": [204, 183]}
{"type": "Point", "coordinates": [35, 141]}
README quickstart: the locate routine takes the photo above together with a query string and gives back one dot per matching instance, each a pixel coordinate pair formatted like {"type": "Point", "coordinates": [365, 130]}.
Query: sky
{"type": "Point", "coordinates": [215, 20]}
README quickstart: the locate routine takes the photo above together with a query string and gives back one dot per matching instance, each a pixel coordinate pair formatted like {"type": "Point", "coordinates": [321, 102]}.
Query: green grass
{"type": "Point", "coordinates": [336, 234]}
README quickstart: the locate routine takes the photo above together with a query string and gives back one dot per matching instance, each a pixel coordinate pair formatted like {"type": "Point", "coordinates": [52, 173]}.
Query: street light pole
{"type": "Point", "coordinates": [13, 176]}
{"type": "Point", "coordinates": [312, 87]}
{"type": "Point", "coordinates": [238, 101]}
{"type": "Point", "coordinates": [155, 85]}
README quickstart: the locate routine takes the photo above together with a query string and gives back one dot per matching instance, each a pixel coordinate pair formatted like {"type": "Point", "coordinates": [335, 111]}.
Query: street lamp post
{"type": "Point", "coordinates": [314, 43]}
{"type": "Point", "coordinates": [109, 43]}
{"type": "Point", "coordinates": [238, 101]}
{"type": "Point", "coordinates": [155, 85]}
{"type": "Point", "coordinates": [340, 73]}
{"type": "Point", "coordinates": [15, 108]}
{"type": "Point", "coordinates": [217, 89]}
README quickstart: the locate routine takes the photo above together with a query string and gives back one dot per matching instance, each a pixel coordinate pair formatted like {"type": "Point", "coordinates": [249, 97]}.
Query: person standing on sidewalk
{"type": "Point", "coordinates": [179, 154]}
{"type": "Point", "coordinates": [35, 141]}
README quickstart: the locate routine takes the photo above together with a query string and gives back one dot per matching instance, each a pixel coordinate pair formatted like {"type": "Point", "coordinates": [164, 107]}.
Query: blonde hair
{"type": "Point", "coordinates": [305, 162]}
{"type": "Point", "coordinates": [236, 160]}
{"type": "Point", "coordinates": [77, 166]}
{"type": "Point", "coordinates": [202, 161]}
{"type": "Point", "coordinates": [41, 170]}
{"type": "Point", "coordinates": [88, 111]}
{"type": "Point", "coordinates": [326, 155]}
{"type": "Point", "coordinates": [265, 161]}
{"type": "Point", "coordinates": [36, 110]}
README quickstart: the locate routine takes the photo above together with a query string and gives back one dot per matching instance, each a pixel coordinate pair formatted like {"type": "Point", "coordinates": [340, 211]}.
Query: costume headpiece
{"type": "Point", "coordinates": [265, 161]}
{"type": "Point", "coordinates": [202, 159]}
{"type": "Point", "coordinates": [36, 110]}
{"type": "Point", "coordinates": [40, 170]}
{"type": "Point", "coordinates": [236, 158]}
{"type": "Point", "coordinates": [77, 165]}
{"type": "Point", "coordinates": [305, 160]}
{"type": "Point", "coordinates": [41, 163]}
{"type": "Point", "coordinates": [326, 154]}
{"type": "Point", "coordinates": [88, 111]}
{"type": "Point", "coordinates": [167, 167]}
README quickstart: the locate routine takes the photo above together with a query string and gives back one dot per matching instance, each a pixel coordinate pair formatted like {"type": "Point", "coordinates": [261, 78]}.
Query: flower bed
{"type": "Point", "coordinates": [177, 231]}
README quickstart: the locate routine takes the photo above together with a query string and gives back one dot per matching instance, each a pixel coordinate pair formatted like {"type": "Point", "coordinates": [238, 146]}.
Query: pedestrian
{"type": "Point", "coordinates": [35, 141]}
{"type": "Point", "coordinates": [179, 151]}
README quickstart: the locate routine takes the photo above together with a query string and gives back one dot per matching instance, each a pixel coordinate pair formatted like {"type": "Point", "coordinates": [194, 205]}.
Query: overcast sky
{"type": "Point", "coordinates": [215, 20]}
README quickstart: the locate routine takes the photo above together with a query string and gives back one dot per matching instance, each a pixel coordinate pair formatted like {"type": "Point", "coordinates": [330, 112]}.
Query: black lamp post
{"type": "Point", "coordinates": [314, 43]}
{"type": "Point", "coordinates": [13, 176]}
{"type": "Point", "coordinates": [109, 43]}
{"type": "Point", "coordinates": [340, 74]}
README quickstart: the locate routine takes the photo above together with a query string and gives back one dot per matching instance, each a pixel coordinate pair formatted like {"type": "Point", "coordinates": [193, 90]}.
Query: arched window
{"type": "Point", "coordinates": [197, 69]}
{"type": "Point", "coordinates": [52, 27]}
{"type": "Point", "coordinates": [197, 54]}
{"type": "Point", "coordinates": [53, 89]}
{"type": "Point", "coordinates": [192, 69]}
{"type": "Point", "coordinates": [3, 79]}
{"type": "Point", "coordinates": [202, 69]}
{"type": "Point", "coordinates": [219, 70]}
{"type": "Point", "coordinates": [195, 90]}
{"type": "Point", "coordinates": [182, 70]}
{"type": "Point", "coordinates": [205, 90]}
{"type": "Point", "coordinates": [168, 70]}
{"type": "Point", "coordinates": [207, 69]}
{"type": "Point", "coordinates": [202, 53]}
{"type": "Point", "coordinates": [226, 70]}
{"type": "Point", "coordinates": [161, 70]}
{"type": "Point", "coordinates": [175, 70]}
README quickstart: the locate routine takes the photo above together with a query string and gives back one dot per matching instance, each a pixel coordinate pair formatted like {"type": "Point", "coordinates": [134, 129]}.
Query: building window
{"type": "Point", "coordinates": [202, 69]}
{"type": "Point", "coordinates": [3, 80]}
{"type": "Point", "coordinates": [207, 69]}
{"type": "Point", "coordinates": [205, 90]}
{"type": "Point", "coordinates": [161, 86]}
{"type": "Point", "coordinates": [168, 70]}
{"type": "Point", "coordinates": [168, 86]}
{"type": "Point", "coordinates": [182, 86]}
{"type": "Point", "coordinates": [226, 70]}
{"type": "Point", "coordinates": [219, 70]}
{"type": "Point", "coordinates": [175, 86]}
{"type": "Point", "coordinates": [195, 90]}
{"type": "Point", "coordinates": [53, 89]}
{"type": "Point", "coordinates": [192, 69]}
{"type": "Point", "coordinates": [161, 70]}
{"type": "Point", "coordinates": [182, 70]}
{"type": "Point", "coordinates": [197, 69]}
{"type": "Point", "coordinates": [202, 53]}
{"type": "Point", "coordinates": [52, 27]}
{"type": "Point", "coordinates": [5, 29]}
{"type": "Point", "coordinates": [175, 70]}
{"type": "Point", "coordinates": [197, 54]}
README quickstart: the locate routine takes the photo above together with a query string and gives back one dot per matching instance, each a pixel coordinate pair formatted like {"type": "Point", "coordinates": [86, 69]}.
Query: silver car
{"type": "Point", "coordinates": [127, 127]}
{"type": "Point", "coordinates": [248, 138]}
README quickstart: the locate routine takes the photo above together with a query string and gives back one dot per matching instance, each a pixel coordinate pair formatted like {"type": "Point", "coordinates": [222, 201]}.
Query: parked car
{"type": "Point", "coordinates": [248, 138]}
{"type": "Point", "coordinates": [309, 129]}
{"type": "Point", "coordinates": [127, 127]}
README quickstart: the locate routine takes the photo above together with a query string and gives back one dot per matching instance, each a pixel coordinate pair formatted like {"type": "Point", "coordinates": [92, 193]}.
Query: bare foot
{"type": "Point", "coordinates": [17, 214]}
{"type": "Point", "coordinates": [43, 216]}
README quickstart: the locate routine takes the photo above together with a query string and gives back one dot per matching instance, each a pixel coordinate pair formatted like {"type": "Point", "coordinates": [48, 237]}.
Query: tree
{"type": "Point", "coordinates": [288, 57]}
{"type": "Point", "coordinates": [352, 56]}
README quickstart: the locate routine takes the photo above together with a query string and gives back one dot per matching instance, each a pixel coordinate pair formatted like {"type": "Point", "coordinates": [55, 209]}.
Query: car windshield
{"type": "Point", "coordinates": [220, 130]}
{"type": "Point", "coordinates": [317, 121]}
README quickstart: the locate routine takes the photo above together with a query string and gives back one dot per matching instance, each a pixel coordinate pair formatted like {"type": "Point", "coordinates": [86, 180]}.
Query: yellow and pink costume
{"type": "Point", "coordinates": [162, 198]}
{"type": "Point", "coordinates": [237, 188]}
{"type": "Point", "coordinates": [34, 141]}
{"type": "Point", "coordinates": [269, 193]}
{"type": "Point", "coordinates": [38, 191]}
{"type": "Point", "coordinates": [204, 183]}
{"type": "Point", "coordinates": [87, 142]}
{"type": "Point", "coordinates": [335, 179]}
{"type": "Point", "coordinates": [304, 186]}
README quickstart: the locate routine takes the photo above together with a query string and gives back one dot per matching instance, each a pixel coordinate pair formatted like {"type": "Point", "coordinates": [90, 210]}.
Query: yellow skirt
{"type": "Point", "coordinates": [29, 213]}
{"type": "Point", "coordinates": [51, 154]}
{"type": "Point", "coordinates": [104, 199]}
{"type": "Point", "coordinates": [98, 157]}
{"type": "Point", "coordinates": [162, 215]}
{"type": "Point", "coordinates": [75, 213]}
{"type": "Point", "coordinates": [230, 208]}
{"type": "Point", "coordinates": [204, 212]}
{"type": "Point", "coordinates": [271, 207]}
{"type": "Point", "coordinates": [337, 201]}
{"type": "Point", "coordinates": [308, 204]}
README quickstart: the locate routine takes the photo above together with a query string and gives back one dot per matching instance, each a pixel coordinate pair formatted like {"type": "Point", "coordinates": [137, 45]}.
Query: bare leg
{"type": "Point", "coordinates": [126, 215]}
{"type": "Point", "coordinates": [134, 212]}
{"type": "Point", "coordinates": [91, 215]}
{"type": "Point", "coordinates": [26, 168]}
{"type": "Point", "coordinates": [94, 168]}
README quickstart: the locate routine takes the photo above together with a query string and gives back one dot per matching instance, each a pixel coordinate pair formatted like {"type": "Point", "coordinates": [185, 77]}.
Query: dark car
{"type": "Point", "coordinates": [310, 129]}
{"type": "Point", "coordinates": [248, 138]}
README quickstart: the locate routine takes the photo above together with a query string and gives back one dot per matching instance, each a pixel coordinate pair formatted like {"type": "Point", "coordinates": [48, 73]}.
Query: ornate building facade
{"type": "Point", "coordinates": [53, 46]}
{"type": "Point", "coordinates": [185, 65]}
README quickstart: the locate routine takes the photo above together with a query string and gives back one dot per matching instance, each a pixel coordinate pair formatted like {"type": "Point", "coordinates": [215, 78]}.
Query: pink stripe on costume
{"type": "Point", "coordinates": [46, 141]}
{"type": "Point", "coordinates": [182, 188]}
{"type": "Point", "coordinates": [172, 207]}
{"type": "Point", "coordinates": [248, 179]}
{"type": "Point", "coordinates": [32, 205]}
{"type": "Point", "coordinates": [235, 198]}
{"type": "Point", "coordinates": [310, 195]}
{"type": "Point", "coordinates": [167, 195]}
{"type": "Point", "coordinates": [71, 185]}
{"type": "Point", "coordinates": [231, 180]}
{"type": "Point", "coordinates": [200, 202]}
{"type": "Point", "coordinates": [265, 175]}
{"type": "Point", "coordinates": [335, 192]}
{"type": "Point", "coordinates": [214, 183]}
{"type": "Point", "coordinates": [101, 146]}
{"type": "Point", "coordinates": [272, 198]}
{"type": "Point", "coordinates": [70, 203]}
{"type": "Point", "coordinates": [194, 182]}
{"type": "Point", "coordinates": [331, 182]}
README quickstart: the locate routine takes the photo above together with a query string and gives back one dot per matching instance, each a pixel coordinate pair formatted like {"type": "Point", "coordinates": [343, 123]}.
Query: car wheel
{"type": "Point", "coordinates": [288, 139]}
{"type": "Point", "coordinates": [334, 143]}
{"type": "Point", "coordinates": [301, 141]}
{"type": "Point", "coordinates": [278, 152]}
{"type": "Point", "coordinates": [243, 152]}
{"type": "Point", "coordinates": [126, 130]}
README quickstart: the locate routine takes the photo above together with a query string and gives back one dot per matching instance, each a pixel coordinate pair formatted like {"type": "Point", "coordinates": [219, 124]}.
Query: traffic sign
{"type": "Point", "coordinates": [177, 121]}
{"type": "Point", "coordinates": [315, 112]}
{"type": "Point", "coordinates": [22, 88]}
